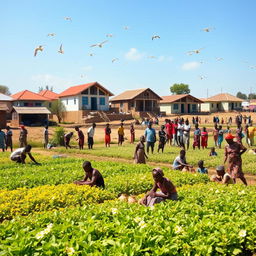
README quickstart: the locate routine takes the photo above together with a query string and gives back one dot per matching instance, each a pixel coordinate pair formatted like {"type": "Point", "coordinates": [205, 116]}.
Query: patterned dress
{"type": "Point", "coordinates": [139, 156]}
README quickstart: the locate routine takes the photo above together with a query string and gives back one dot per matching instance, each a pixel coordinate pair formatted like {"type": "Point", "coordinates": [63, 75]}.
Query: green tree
{"type": "Point", "coordinates": [5, 90]}
{"type": "Point", "coordinates": [242, 96]}
{"type": "Point", "coordinates": [252, 96]}
{"type": "Point", "coordinates": [180, 89]}
{"type": "Point", "coordinates": [57, 108]}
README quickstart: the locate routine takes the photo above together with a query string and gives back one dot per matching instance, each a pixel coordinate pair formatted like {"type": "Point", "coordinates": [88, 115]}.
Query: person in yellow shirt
{"type": "Point", "coordinates": [120, 134]}
{"type": "Point", "coordinates": [251, 134]}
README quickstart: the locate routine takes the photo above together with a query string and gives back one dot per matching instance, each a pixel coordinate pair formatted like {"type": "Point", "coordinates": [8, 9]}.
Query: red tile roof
{"type": "Point", "coordinates": [28, 95]}
{"type": "Point", "coordinates": [77, 89]}
{"type": "Point", "coordinates": [176, 97]}
{"type": "Point", "coordinates": [49, 94]}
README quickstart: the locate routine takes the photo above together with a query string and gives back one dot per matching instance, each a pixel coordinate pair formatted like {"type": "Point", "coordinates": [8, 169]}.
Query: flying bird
{"type": "Point", "coordinates": [152, 57]}
{"type": "Point", "coordinates": [155, 37]}
{"type": "Point", "coordinates": [51, 34]}
{"type": "Point", "coordinates": [126, 27]}
{"type": "Point", "coordinates": [68, 18]}
{"type": "Point", "coordinates": [109, 35]}
{"type": "Point", "coordinates": [82, 76]}
{"type": "Point", "coordinates": [195, 51]}
{"type": "Point", "coordinates": [208, 29]}
{"type": "Point", "coordinates": [91, 54]}
{"type": "Point", "coordinates": [219, 59]}
{"type": "Point", "coordinates": [61, 51]}
{"type": "Point", "coordinates": [202, 77]}
{"type": "Point", "coordinates": [115, 59]}
{"type": "Point", "coordinates": [99, 44]}
{"type": "Point", "coordinates": [38, 48]}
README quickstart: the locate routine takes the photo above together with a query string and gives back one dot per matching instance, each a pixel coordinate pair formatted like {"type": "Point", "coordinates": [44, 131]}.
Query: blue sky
{"type": "Point", "coordinates": [179, 23]}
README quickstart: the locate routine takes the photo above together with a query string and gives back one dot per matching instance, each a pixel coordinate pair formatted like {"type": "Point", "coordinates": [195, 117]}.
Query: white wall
{"type": "Point", "coordinates": [70, 104]}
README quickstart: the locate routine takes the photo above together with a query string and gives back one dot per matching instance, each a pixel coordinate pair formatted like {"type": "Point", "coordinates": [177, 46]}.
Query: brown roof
{"type": "Point", "coordinates": [223, 97]}
{"type": "Point", "coordinates": [77, 89]}
{"type": "Point", "coordinates": [49, 94]}
{"type": "Point", "coordinates": [32, 110]}
{"type": "Point", "coordinates": [28, 95]}
{"type": "Point", "coordinates": [131, 94]}
{"type": "Point", "coordinates": [3, 107]}
{"type": "Point", "coordinates": [176, 97]}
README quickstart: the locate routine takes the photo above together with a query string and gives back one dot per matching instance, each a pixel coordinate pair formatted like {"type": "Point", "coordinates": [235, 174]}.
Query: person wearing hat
{"type": "Point", "coordinates": [167, 190]}
{"type": "Point", "coordinates": [233, 152]}
{"type": "Point", "coordinates": [139, 154]}
{"type": "Point", "coordinates": [23, 136]}
{"type": "Point", "coordinates": [222, 176]}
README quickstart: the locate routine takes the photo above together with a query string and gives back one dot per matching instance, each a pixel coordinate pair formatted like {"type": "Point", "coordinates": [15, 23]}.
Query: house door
{"type": "Point", "coordinates": [182, 109]}
{"type": "Point", "coordinates": [189, 108]}
{"type": "Point", "coordinates": [232, 106]}
{"type": "Point", "coordinates": [93, 103]}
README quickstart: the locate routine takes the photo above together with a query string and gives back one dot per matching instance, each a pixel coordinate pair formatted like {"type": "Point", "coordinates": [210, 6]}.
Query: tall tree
{"type": "Point", "coordinates": [5, 90]}
{"type": "Point", "coordinates": [241, 95]}
{"type": "Point", "coordinates": [180, 89]}
{"type": "Point", "coordinates": [57, 108]}
{"type": "Point", "coordinates": [252, 96]}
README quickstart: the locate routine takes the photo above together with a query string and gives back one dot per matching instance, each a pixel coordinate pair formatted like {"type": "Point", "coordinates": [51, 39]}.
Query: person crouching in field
{"type": "Point", "coordinates": [168, 190]}
{"type": "Point", "coordinates": [213, 152]}
{"type": "Point", "coordinates": [201, 169]}
{"type": "Point", "coordinates": [80, 139]}
{"type": "Point", "coordinates": [222, 176]}
{"type": "Point", "coordinates": [20, 154]}
{"type": "Point", "coordinates": [180, 162]}
{"type": "Point", "coordinates": [139, 154]}
{"type": "Point", "coordinates": [67, 138]}
{"type": "Point", "coordinates": [92, 177]}
{"type": "Point", "coordinates": [107, 135]}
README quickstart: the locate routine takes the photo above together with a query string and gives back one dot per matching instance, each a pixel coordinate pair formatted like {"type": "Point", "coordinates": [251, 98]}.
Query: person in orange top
{"type": "Point", "coordinates": [120, 134]}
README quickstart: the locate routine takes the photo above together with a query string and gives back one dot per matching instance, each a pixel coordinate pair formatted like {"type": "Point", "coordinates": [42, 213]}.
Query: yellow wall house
{"type": "Point", "coordinates": [180, 104]}
{"type": "Point", "coordinates": [221, 102]}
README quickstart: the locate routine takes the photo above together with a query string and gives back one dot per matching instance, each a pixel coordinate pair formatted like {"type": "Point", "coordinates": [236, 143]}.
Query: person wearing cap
{"type": "Point", "coordinates": [167, 190]}
{"type": "Point", "coordinates": [20, 154]}
{"type": "Point", "coordinates": [23, 136]}
{"type": "Point", "coordinates": [222, 176]}
{"type": "Point", "coordinates": [139, 154]}
{"type": "Point", "coordinates": [233, 152]}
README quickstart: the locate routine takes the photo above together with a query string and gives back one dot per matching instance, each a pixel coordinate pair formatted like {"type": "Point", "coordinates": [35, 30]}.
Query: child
{"type": "Point", "coordinates": [197, 135]}
{"type": "Point", "coordinates": [162, 139]}
{"type": "Point", "coordinates": [201, 169]}
{"type": "Point", "coordinates": [204, 138]}
{"type": "Point", "coordinates": [213, 152]}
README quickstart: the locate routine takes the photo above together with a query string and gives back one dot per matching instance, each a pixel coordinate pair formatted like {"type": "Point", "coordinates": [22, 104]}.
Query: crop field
{"type": "Point", "coordinates": [43, 213]}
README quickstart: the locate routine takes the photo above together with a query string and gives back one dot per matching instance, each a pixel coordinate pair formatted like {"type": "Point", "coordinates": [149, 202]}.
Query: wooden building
{"type": "Point", "coordinates": [3, 115]}
{"type": "Point", "coordinates": [140, 100]}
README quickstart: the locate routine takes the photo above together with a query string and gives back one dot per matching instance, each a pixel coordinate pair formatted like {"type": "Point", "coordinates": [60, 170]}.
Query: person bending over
{"type": "Point", "coordinates": [20, 154]}
{"type": "Point", "coordinates": [180, 162]}
{"type": "Point", "coordinates": [222, 176]}
{"type": "Point", "coordinates": [92, 176]}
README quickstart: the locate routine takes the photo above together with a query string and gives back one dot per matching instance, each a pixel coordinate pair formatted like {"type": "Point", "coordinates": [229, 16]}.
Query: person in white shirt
{"type": "Point", "coordinates": [20, 154]}
{"type": "Point", "coordinates": [90, 134]}
{"type": "Point", "coordinates": [180, 133]}
{"type": "Point", "coordinates": [186, 134]}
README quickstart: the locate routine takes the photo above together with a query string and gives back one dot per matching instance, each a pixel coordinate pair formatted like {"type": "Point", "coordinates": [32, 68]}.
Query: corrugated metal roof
{"type": "Point", "coordinates": [4, 97]}
{"type": "Point", "coordinates": [32, 110]}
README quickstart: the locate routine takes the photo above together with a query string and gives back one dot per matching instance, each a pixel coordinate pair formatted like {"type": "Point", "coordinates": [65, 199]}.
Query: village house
{"type": "Point", "coordinates": [221, 102]}
{"type": "Point", "coordinates": [140, 100]}
{"type": "Point", "coordinates": [3, 115]}
{"type": "Point", "coordinates": [6, 103]}
{"type": "Point", "coordinates": [180, 104]}
{"type": "Point", "coordinates": [80, 100]}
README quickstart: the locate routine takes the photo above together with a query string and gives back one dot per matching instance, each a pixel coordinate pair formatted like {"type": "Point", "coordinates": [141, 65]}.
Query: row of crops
{"type": "Point", "coordinates": [42, 213]}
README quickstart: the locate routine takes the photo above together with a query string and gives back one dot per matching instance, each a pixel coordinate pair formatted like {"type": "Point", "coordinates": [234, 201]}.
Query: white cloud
{"type": "Point", "coordinates": [165, 58]}
{"type": "Point", "coordinates": [190, 65]}
{"type": "Point", "coordinates": [133, 54]}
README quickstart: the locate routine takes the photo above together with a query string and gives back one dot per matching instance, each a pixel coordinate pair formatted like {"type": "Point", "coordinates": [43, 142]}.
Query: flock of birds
{"type": "Point", "coordinates": [154, 37]}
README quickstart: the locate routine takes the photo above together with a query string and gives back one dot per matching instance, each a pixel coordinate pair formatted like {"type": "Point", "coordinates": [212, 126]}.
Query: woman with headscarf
{"type": "Point", "coordinates": [139, 154]}
{"type": "Point", "coordinates": [233, 152]}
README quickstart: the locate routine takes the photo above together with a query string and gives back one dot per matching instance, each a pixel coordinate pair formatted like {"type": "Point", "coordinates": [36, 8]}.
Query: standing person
{"type": "Point", "coordinates": [215, 135]}
{"type": "Point", "coordinates": [174, 132]}
{"type": "Point", "coordinates": [46, 136]}
{"type": "Point", "coordinates": [251, 134]}
{"type": "Point", "coordinates": [132, 132]}
{"type": "Point", "coordinates": [20, 154]}
{"type": "Point", "coordinates": [120, 132]}
{"type": "Point", "coordinates": [204, 138]}
{"type": "Point", "coordinates": [23, 136]}
{"type": "Point", "coordinates": [150, 135]}
{"type": "Point", "coordinates": [67, 138]}
{"type": "Point", "coordinates": [107, 135]}
{"type": "Point", "coordinates": [220, 135]}
{"type": "Point", "coordinates": [94, 176]}
{"type": "Point", "coordinates": [80, 139]}
{"type": "Point", "coordinates": [168, 128]}
{"type": "Point", "coordinates": [197, 135]}
{"type": "Point", "coordinates": [246, 135]}
{"type": "Point", "coordinates": [233, 152]}
{"type": "Point", "coordinates": [8, 138]}
{"type": "Point", "coordinates": [162, 139]}
{"type": "Point", "coordinates": [239, 133]}
{"type": "Point", "coordinates": [90, 134]}
{"type": "Point", "coordinates": [186, 134]}
{"type": "Point", "coordinates": [180, 133]}
{"type": "Point", "coordinates": [2, 140]}
{"type": "Point", "coordinates": [139, 154]}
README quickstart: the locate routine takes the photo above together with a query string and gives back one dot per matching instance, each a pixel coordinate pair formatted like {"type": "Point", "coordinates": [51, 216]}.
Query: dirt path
{"type": "Point", "coordinates": [251, 179]}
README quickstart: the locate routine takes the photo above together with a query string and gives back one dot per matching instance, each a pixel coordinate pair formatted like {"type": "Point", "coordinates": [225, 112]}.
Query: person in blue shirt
{"type": "Point", "coordinates": [150, 135]}
{"type": "Point", "coordinates": [213, 152]}
{"type": "Point", "coordinates": [201, 169]}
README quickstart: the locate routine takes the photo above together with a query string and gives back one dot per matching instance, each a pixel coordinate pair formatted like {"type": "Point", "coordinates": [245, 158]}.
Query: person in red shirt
{"type": "Point", "coordinates": [204, 138]}
{"type": "Point", "coordinates": [168, 129]}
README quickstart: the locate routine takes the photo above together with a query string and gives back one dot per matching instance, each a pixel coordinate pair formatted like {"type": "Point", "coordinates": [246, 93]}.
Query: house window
{"type": "Point", "coordinates": [212, 105]}
{"type": "Point", "coordinates": [85, 92]}
{"type": "Point", "coordinates": [50, 104]}
{"type": "Point", "coordinates": [101, 92]}
{"type": "Point", "coordinates": [121, 105]}
{"type": "Point", "coordinates": [84, 101]}
{"type": "Point", "coordinates": [66, 101]}
{"type": "Point", "coordinates": [93, 90]}
{"type": "Point", "coordinates": [102, 101]}
{"type": "Point", "coordinates": [194, 107]}
{"type": "Point", "coordinates": [25, 104]}
{"type": "Point", "coordinates": [38, 104]}
{"type": "Point", "coordinates": [175, 106]}
{"type": "Point", "coordinates": [74, 101]}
